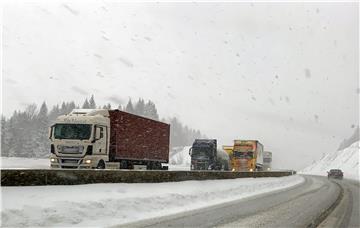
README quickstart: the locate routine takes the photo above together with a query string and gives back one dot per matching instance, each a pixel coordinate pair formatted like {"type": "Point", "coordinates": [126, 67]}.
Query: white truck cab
{"type": "Point", "coordinates": [80, 139]}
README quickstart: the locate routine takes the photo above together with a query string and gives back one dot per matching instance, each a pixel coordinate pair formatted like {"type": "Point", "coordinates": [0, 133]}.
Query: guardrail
{"type": "Point", "coordinates": [34, 177]}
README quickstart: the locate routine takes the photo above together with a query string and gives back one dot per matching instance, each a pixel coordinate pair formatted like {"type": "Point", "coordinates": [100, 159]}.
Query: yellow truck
{"type": "Point", "coordinates": [247, 155]}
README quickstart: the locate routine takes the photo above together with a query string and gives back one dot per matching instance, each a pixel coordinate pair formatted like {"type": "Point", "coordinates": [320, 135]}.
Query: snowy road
{"type": "Point", "coordinates": [103, 205]}
{"type": "Point", "coordinates": [347, 213]}
{"type": "Point", "coordinates": [297, 206]}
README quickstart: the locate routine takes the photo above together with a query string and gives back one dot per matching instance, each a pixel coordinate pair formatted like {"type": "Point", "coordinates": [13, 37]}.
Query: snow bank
{"type": "Point", "coordinates": [112, 204]}
{"type": "Point", "coordinates": [347, 160]}
{"type": "Point", "coordinates": [27, 163]}
{"type": "Point", "coordinates": [179, 158]}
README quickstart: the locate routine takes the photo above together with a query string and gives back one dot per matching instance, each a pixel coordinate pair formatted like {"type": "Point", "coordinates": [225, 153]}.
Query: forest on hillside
{"type": "Point", "coordinates": [25, 133]}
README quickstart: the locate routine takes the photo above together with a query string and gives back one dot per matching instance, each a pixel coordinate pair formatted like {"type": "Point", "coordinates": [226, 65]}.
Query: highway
{"type": "Point", "coordinates": [316, 202]}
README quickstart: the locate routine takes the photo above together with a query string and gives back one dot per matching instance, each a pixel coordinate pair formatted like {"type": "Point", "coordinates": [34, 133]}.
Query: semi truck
{"type": "Point", "coordinates": [247, 155]}
{"type": "Point", "coordinates": [100, 138]}
{"type": "Point", "coordinates": [206, 156]}
{"type": "Point", "coordinates": [267, 160]}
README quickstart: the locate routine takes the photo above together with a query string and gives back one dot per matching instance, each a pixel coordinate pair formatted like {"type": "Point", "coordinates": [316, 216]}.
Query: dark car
{"type": "Point", "coordinates": [335, 173]}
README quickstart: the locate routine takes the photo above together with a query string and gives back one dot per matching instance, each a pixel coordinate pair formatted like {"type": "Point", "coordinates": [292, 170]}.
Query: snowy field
{"type": "Point", "coordinates": [111, 204]}
{"type": "Point", "coordinates": [27, 163]}
{"type": "Point", "coordinates": [41, 163]}
{"type": "Point", "coordinates": [179, 160]}
{"type": "Point", "coordinates": [347, 160]}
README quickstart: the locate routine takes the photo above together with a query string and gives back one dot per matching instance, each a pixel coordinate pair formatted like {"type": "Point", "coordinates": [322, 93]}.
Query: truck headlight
{"type": "Point", "coordinates": [251, 170]}
{"type": "Point", "coordinates": [233, 169]}
{"type": "Point", "coordinates": [87, 161]}
{"type": "Point", "coordinates": [268, 169]}
{"type": "Point", "coordinates": [53, 160]}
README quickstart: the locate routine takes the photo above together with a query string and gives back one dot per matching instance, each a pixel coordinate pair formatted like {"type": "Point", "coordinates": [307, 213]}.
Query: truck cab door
{"type": "Point", "coordinates": [100, 140]}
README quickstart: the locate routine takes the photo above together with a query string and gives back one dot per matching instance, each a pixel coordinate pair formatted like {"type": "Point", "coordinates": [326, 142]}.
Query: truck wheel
{"type": "Point", "coordinates": [101, 165]}
{"type": "Point", "coordinates": [158, 166]}
{"type": "Point", "coordinates": [123, 165]}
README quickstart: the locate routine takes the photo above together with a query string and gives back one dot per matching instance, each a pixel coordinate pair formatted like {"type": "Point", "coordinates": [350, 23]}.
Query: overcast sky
{"type": "Point", "coordinates": [283, 73]}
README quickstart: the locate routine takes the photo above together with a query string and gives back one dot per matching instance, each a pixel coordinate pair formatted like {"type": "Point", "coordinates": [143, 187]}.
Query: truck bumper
{"type": "Point", "coordinates": [70, 163]}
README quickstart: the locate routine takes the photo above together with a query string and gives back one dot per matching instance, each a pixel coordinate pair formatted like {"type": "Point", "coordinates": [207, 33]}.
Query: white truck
{"type": "Point", "coordinates": [99, 138]}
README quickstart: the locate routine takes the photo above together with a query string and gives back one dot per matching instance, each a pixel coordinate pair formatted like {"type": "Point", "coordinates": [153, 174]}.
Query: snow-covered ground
{"type": "Point", "coordinates": [111, 204]}
{"type": "Point", "coordinates": [179, 159]}
{"type": "Point", "coordinates": [27, 163]}
{"type": "Point", "coordinates": [347, 160]}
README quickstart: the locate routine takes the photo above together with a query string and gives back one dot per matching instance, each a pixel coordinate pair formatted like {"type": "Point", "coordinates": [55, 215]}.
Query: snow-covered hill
{"type": "Point", "coordinates": [347, 160]}
{"type": "Point", "coordinates": [180, 158]}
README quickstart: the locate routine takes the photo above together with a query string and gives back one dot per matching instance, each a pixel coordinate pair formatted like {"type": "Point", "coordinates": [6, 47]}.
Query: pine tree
{"type": "Point", "coordinates": [139, 107]}
{"type": "Point", "coordinates": [92, 103]}
{"type": "Point", "coordinates": [11, 136]}
{"type": "Point", "coordinates": [26, 143]}
{"type": "Point", "coordinates": [43, 125]}
{"type": "Point", "coordinates": [108, 106]}
{"type": "Point", "coordinates": [72, 106]}
{"type": "Point", "coordinates": [129, 107]}
{"type": "Point", "coordinates": [150, 111]}
{"type": "Point", "coordinates": [63, 108]}
{"type": "Point", "coordinates": [43, 111]}
{"type": "Point", "coordinates": [54, 113]}
{"type": "Point", "coordinates": [4, 137]}
{"type": "Point", "coordinates": [176, 133]}
{"type": "Point", "coordinates": [86, 104]}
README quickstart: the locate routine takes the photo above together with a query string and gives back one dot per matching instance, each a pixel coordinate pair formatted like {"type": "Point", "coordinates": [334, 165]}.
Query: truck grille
{"type": "Point", "coordinates": [71, 149]}
{"type": "Point", "coordinates": [70, 161]}
{"type": "Point", "coordinates": [243, 165]}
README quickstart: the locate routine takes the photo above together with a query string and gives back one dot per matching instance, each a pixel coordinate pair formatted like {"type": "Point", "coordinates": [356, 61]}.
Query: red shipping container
{"type": "Point", "coordinates": [134, 137]}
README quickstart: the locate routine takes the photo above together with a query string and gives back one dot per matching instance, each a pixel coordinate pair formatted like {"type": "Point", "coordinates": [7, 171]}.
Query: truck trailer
{"type": "Point", "coordinates": [206, 156]}
{"type": "Point", "coordinates": [100, 138]}
{"type": "Point", "coordinates": [247, 155]}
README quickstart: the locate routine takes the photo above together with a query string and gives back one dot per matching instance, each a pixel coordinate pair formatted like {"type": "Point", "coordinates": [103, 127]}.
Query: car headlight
{"type": "Point", "coordinates": [233, 169]}
{"type": "Point", "coordinates": [53, 160]}
{"type": "Point", "coordinates": [251, 170]}
{"type": "Point", "coordinates": [87, 161]}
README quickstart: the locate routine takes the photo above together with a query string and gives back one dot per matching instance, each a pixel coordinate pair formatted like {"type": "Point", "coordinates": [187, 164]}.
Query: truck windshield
{"type": "Point", "coordinates": [267, 159]}
{"type": "Point", "coordinates": [196, 152]}
{"type": "Point", "coordinates": [72, 131]}
{"type": "Point", "coordinates": [246, 155]}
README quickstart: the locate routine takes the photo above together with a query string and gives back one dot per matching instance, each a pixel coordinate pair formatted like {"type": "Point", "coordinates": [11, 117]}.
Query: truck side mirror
{"type": "Point", "coordinates": [50, 132]}
{"type": "Point", "coordinates": [190, 150]}
{"type": "Point", "coordinates": [97, 133]}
